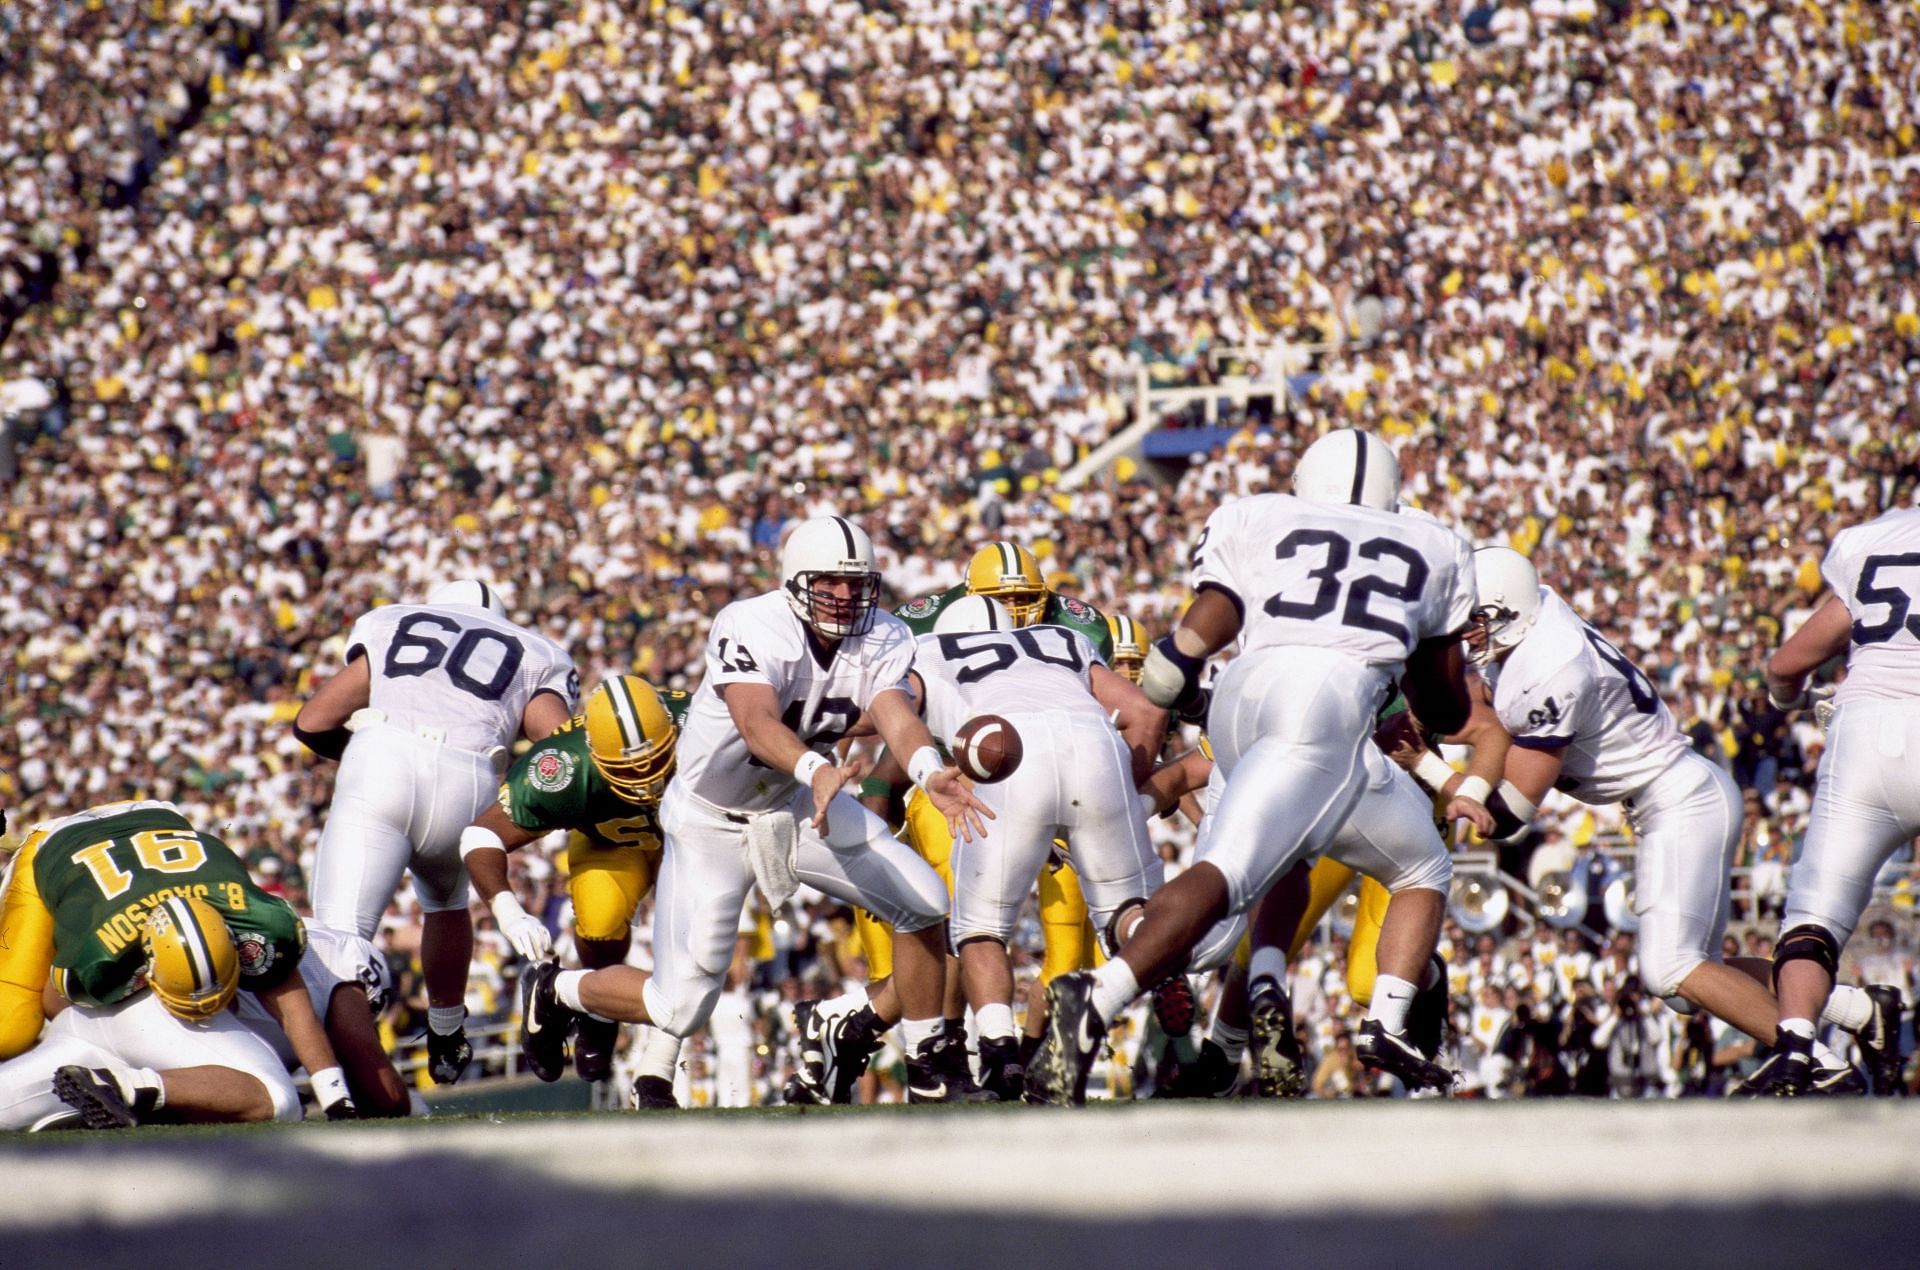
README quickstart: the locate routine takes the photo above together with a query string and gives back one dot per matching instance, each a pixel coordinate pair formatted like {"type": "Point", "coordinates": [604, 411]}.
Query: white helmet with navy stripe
{"type": "Point", "coordinates": [1349, 466]}
{"type": "Point", "coordinates": [973, 613]}
{"type": "Point", "coordinates": [818, 554]}
{"type": "Point", "coordinates": [468, 593]}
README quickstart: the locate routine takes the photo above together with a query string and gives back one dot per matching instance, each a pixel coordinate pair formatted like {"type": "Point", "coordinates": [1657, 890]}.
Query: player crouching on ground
{"type": "Point", "coordinates": [600, 776]}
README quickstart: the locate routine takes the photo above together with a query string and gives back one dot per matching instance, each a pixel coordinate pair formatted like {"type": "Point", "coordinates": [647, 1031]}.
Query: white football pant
{"type": "Point", "coordinates": [1687, 820]}
{"type": "Point", "coordinates": [135, 1033]}
{"type": "Point", "coordinates": [1075, 781]}
{"type": "Point", "coordinates": [1865, 808]}
{"type": "Point", "coordinates": [400, 801]}
{"type": "Point", "coordinates": [705, 875]}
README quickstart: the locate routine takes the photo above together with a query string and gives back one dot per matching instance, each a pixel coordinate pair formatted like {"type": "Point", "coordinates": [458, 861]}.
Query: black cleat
{"type": "Point", "coordinates": [1880, 1040]}
{"type": "Point", "coordinates": [1394, 1054]}
{"type": "Point", "coordinates": [852, 1041]}
{"type": "Point", "coordinates": [930, 1078]}
{"type": "Point", "coordinates": [1278, 1070]}
{"type": "Point", "coordinates": [1786, 1073]}
{"type": "Point", "coordinates": [448, 1055]}
{"type": "Point", "coordinates": [594, 1041]}
{"type": "Point", "coordinates": [1840, 1081]}
{"type": "Point", "coordinates": [1075, 1033]}
{"type": "Point", "coordinates": [952, 1057]}
{"type": "Point", "coordinates": [808, 1087]}
{"type": "Point", "coordinates": [654, 1093]}
{"type": "Point", "coordinates": [98, 1097]}
{"type": "Point", "coordinates": [1210, 1075]}
{"type": "Point", "coordinates": [1002, 1074]}
{"type": "Point", "coordinates": [544, 1022]}
{"type": "Point", "coordinates": [1427, 1016]}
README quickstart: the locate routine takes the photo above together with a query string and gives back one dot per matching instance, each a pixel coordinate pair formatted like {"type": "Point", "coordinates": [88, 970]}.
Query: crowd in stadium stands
{"type": "Point", "coordinates": [591, 299]}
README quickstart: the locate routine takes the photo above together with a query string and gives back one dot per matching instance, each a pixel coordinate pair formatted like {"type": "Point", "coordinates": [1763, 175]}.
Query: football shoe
{"type": "Point", "coordinates": [1394, 1054]}
{"type": "Point", "coordinates": [1210, 1075]}
{"type": "Point", "coordinates": [1173, 1006]}
{"type": "Point", "coordinates": [544, 1022]}
{"type": "Point", "coordinates": [930, 1073]}
{"type": "Point", "coordinates": [1842, 1080]}
{"type": "Point", "coordinates": [101, 1099]}
{"type": "Point", "coordinates": [1880, 1040]}
{"type": "Point", "coordinates": [953, 1061]}
{"type": "Point", "coordinates": [448, 1055]}
{"type": "Point", "coordinates": [1787, 1071]}
{"type": "Point", "coordinates": [1278, 1070]}
{"type": "Point", "coordinates": [1075, 1033]}
{"type": "Point", "coordinates": [654, 1093]}
{"type": "Point", "coordinates": [1427, 1016]}
{"type": "Point", "coordinates": [594, 1041]}
{"type": "Point", "coordinates": [1001, 1072]}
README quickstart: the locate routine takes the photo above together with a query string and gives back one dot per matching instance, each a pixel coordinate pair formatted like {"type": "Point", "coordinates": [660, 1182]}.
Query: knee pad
{"type": "Point", "coordinates": [1109, 934]}
{"type": "Point", "coordinates": [976, 937]}
{"type": "Point", "coordinates": [1807, 942]}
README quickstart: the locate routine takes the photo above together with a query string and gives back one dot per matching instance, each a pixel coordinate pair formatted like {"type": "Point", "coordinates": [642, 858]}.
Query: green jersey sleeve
{"type": "Point", "coordinates": [1078, 615]}
{"type": "Point", "coordinates": [552, 785]}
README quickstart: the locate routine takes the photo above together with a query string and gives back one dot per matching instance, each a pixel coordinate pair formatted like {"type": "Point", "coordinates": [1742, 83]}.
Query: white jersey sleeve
{"type": "Point", "coordinates": [333, 958]}
{"type": "Point", "coordinates": [820, 695]}
{"type": "Point", "coordinates": [1039, 669]}
{"type": "Point", "coordinates": [1875, 570]}
{"type": "Point", "coordinates": [1370, 583]}
{"type": "Point", "coordinates": [459, 669]}
{"type": "Point", "coordinates": [1566, 688]}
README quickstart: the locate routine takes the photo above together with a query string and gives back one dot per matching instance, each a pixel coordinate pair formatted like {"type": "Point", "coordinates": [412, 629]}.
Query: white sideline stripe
{"type": "Point", "coordinates": [132, 1190]}
{"type": "Point", "coordinates": [1305, 1159]}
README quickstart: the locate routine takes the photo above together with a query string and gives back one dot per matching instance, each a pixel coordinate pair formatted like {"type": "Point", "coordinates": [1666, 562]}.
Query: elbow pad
{"type": "Point", "coordinates": [329, 744]}
{"type": "Point", "coordinates": [1169, 675]}
{"type": "Point", "coordinates": [1511, 812]}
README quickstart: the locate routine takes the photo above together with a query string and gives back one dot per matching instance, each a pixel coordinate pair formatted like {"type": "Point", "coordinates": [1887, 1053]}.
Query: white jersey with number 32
{"type": "Point", "coordinates": [763, 641]}
{"type": "Point", "coordinates": [1566, 688]}
{"type": "Point", "coordinates": [1369, 583]}
{"type": "Point", "coordinates": [461, 669]}
{"type": "Point", "coordinates": [1039, 669]}
{"type": "Point", "coordinates": [1875, 570]}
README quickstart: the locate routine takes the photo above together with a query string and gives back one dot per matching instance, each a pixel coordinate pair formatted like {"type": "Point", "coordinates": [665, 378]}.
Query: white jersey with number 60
{"type": "Point", "coordinates": [1875, 570]}
{"type": "Point", "coordinates": [1036, 669]}
{"type": "Point", "coordinates": [459, 668]}
{"type": "Point", "coordinates": [763, 641]}
{"type": "Point", "coordinates": [1369, 583]}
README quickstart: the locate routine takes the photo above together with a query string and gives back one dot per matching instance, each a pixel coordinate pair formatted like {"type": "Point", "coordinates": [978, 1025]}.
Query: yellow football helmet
{"type": "Point", "coordinates": [191, 962]}
{"type": "Point", "coordinates": [1010, 574]}
{"type": "Point", "coordinates": [1129, 646]}
{"type": "Point", "coordinates": [631, 737]}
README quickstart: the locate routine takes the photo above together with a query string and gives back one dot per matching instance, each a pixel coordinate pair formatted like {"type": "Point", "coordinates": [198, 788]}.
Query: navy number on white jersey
{"type": "Point", "coordinates": [466, 661]}
{"type": "Point", "coordinates": [1326, 596]}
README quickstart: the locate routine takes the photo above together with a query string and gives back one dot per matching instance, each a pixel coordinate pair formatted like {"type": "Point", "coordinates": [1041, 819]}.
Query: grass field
{"type": "Point", "coordinates": [1352, 1184]}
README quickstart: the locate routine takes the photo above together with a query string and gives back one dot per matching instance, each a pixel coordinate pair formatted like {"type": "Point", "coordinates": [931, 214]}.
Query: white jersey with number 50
{"type": "Point", "coordinates": [1875, 570]}
{"type": "Point", "coordinates": [763, 641]}
{"type": "Point", "coordinates": [459, 668]}
{"type": "Point", "coordinates": [1566, 688]}
{"type": "Point", "coordinates": [1370, 583]}
{"type": "Point", "coordinates": [1044, 669]}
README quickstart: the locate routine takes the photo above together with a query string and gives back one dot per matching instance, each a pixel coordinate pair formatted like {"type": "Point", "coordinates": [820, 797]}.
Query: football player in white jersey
{"type": "Point", "coordinates": [1586, 721]}
{"type": "Point", "coordinates": [757, 799]}
{"type": "Point", "coordinates": [1332, 593]}
{"type": "Point", "coordinates": [1088, 737]}
{"type": "Point", "coordinates": [431, 697]}
{"type": "Point", "coordinates": [1867, 803]}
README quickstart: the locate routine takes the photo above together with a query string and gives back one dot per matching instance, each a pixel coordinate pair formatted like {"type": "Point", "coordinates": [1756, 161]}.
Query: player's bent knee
{"type": "Point", "coordinates": [1435, 873]}
{"type": "Point", "coordinates": [1662, 974]}
{"type": "Point", "coordinates": [681, 1011]}
{"type": "Point", "coordinates": [1807, 942]}
{"type": "Point", "coordinates": [278, 1101]}
{"type": "Point", "coordinates": [977, 936]}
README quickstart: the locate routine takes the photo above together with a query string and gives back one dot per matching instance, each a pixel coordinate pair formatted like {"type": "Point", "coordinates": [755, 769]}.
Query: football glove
{"type": "Point", "coordinates": [527, 933]}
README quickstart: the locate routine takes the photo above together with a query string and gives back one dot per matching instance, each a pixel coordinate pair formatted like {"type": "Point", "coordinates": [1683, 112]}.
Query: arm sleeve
{"type": "Point", "coordinates": [361, 639]}
{"type": "Point", "coordinates": [1836, 568]}
{"type": "Point", "coordinates": [523, 797]}
{"type": "Point", "coordinates": [890, 670]}
{"type": "Point", "coordinates": [561, 679]}
{"type": "Point", "coordinates": [1213, 562]}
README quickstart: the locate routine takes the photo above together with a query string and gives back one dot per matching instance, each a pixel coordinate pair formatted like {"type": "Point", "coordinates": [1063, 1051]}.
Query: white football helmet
{"type": "Point", "coordinates": [973, 613]}
{"type": "Point", "coordinates": [1508, 587]}
{"type": "Point", "coordinates": [831, 547]}
{"type": "Point", "coordinates": [1349, 466]}
{"type": "Point", "coordinates": [468, 593]}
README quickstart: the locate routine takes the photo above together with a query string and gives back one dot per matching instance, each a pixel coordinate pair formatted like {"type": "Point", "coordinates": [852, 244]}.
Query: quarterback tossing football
{"type": "Point", "coordinates": [987, 748]}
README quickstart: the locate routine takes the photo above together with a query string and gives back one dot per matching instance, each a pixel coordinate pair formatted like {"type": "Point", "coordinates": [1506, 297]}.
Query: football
{"type": "Point", "coordinates": [987, 748]}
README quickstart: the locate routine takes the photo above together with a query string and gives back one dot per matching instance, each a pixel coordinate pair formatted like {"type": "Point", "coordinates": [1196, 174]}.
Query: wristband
{"type": "Point", "coordinates": [1475, 788]}
{"type": "Point", "coordinates": [807, 765]}
{"type": "Point", "coordinates": [1434, 771]}
{"type": "Point", "coordinates": [329, 1086]}
{"type": "Point", "coordinates": [477, 838]}
{"type": "Point", "coordinates": [924, 763]}
{"type": "Point", "coordinates": [506, 909]}
{"type": "Point", "coordinates": [1795, 702]}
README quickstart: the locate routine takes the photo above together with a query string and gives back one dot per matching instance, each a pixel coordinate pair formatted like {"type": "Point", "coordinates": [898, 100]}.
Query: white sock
{"type": "Point", "coordinates": [566, 986]}
{"type": "Point", "coordinates": [139, 1078]}
{"type": "Point", "coordinates": [1392, 996]}
{"type": "Point", "coordinates": [917, 1032]}
{"type": "Point", "coordinates": [660, 1055]}
{"type": "Point", "coordinates": [445, 1020]}
{"type": "Point", "coordinates": [1113, 987]}
{"type": "Point", "coordinates": [1233, 1040]}
{"type": "Point", "coordinates": [1798, 1027]}
{"type": "Point", "coordinates": [995, 1021]}
{"type": "Point", "coordinates": [1849, 1007]}
{"type": "Point", "coordinates": [1268, 963]}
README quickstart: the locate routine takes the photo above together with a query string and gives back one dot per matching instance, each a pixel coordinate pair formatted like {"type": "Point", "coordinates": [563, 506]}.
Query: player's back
{"type": "Point", "coordinates": [459, 668]}
{"type": "Point", "coordinates": [1369, 583]}
{"type": "Point", "coordinates": [1875, 570]}
{"type": "Point", "coordinates": [1033, 669]}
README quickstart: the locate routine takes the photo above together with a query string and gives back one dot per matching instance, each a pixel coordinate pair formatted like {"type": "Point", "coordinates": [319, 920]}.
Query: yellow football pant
{"type": "Point", "coordinates": [607, 885]}
{"type": "Point", "coordinates": [1329, 881]}
{"type": "Point", "coordinates": [926, 832]}
{"type": "Point", "coordinates": [26, 955]}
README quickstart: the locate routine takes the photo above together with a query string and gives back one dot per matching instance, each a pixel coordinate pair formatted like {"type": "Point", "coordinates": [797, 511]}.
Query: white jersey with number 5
{"type": "Point", "coordinates": [1566, 688]}
{"type": "Point", "coordinates": [460, 669]}
{"type": "Point", "coordinates": [763, 641]}
{"type": "Point", "coordinates": [1037, 669]}
{"type": "Point", "coordinates": [1369, 583]}
{"type": "Point", "coordinates": [1875, 570]}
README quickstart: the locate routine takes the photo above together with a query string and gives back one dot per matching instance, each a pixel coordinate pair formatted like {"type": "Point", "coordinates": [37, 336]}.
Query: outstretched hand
{"type": "Point", "coordinates": [952, 795]}
{"type": "Point", "coordinates": [827, 782]}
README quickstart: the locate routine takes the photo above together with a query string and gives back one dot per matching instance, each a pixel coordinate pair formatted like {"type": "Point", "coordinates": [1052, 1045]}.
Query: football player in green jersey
{"type": "Point", "coordinates": [132, 931]}
{"type": "Point", "coordinates": [600, 776]}
{"type": "Point", "coordinates": [1011, 574]}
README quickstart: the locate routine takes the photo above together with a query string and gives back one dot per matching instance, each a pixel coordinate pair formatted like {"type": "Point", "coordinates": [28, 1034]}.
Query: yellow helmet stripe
{"type": "Point", "coordinates": [193, 941]}
{"type": "Point", "coordinates": [625, 714]}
